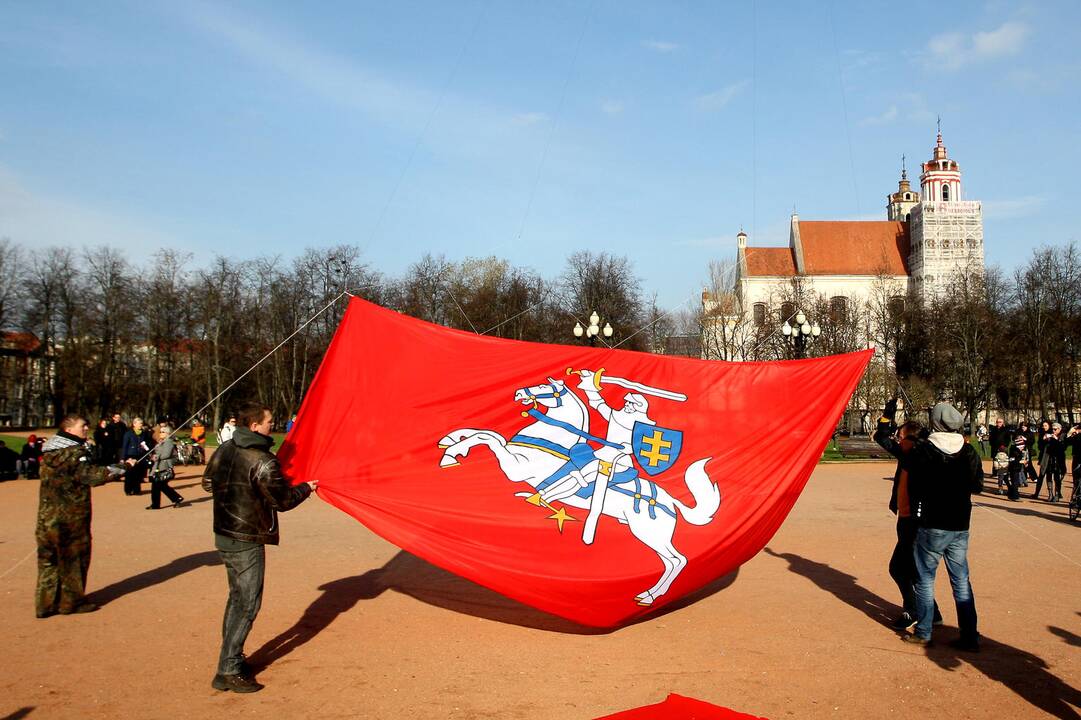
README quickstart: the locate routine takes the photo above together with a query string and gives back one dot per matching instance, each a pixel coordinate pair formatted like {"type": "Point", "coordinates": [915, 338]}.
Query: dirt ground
{"type": "Point", "coordinates": [353, 628]}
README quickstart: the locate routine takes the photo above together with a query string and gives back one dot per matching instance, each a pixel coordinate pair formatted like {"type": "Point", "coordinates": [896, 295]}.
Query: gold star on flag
{"type": "Point", "coordinates": [561, 516]}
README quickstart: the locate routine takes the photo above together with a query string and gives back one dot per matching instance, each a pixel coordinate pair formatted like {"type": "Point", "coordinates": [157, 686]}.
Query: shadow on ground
{"type": "Point", "coordinates": [1022, 672]}
{"type": "Point", "coordinates": [1039, 511]}
{"type": "Point", "coordinates": [149, 578]}
{"type": "Point", "coordinates": [419, 579]}
{"type": "Point", "coordinates": [18, 714]}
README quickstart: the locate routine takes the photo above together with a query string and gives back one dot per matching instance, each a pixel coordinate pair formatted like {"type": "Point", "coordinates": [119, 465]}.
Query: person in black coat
{"type": "Point", "coordinates": [1054, 467]}
{"type": "Point", "coordinates": [117, 431]}
{"type": "Point", "coordinates": [944, 472]}
{"type": "Point", "coordinates": [902, 566]}
{"type": "Point", "coordinates": [9, 460]}
{"type": "Point", "coordinates": [135, 451]}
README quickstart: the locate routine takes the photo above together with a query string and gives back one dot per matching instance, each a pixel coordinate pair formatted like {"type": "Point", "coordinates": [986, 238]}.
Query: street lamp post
{"type": "Point", "coordinates": [800, 334]}
{"type": "Point", "coordinates": [594, 329]}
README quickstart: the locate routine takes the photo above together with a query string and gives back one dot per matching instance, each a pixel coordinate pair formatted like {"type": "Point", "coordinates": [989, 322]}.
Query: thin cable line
{"type": "Point", "coordinates": [754, 119]}
{"type": "Point", "coordinates": [544, 296]}
{"type": "Point", "coordinates": [1052, 548]}
{"type": "Point", "coordinates": [427, 125]}
{"type": "Point", "coordinates": [555, 122]}
{"type": "Point", "coordinates": [13, 567]}
{"type": "Point", "coordinates": [844, 107]}
{"type": "Point", "coordinates": [657, 320]}
{"type": "Point", "coordinates": [249, 370]}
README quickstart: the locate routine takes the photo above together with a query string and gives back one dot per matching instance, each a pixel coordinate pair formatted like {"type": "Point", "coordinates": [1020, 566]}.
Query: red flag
{"type": "Point", "coordinates": [677, 707]}
{"type": "Point", "coordinates": [487, 458]}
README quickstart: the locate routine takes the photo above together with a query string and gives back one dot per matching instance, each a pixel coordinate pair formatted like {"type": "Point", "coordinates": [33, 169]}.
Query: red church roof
{"type": "Point", "coordinates": [854, 248]}
{"type": "Point", "coordinates": [770, 261]}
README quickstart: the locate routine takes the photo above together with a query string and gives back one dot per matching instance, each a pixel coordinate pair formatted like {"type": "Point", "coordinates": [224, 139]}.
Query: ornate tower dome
{"type": "Point", "coordinates": [941, 178]}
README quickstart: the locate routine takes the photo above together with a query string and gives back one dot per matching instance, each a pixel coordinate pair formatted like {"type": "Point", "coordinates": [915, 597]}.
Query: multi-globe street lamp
{"type": "Point", "coordinates": [801, 333]}
{"type": "Point", "coordinates": [594, 329]}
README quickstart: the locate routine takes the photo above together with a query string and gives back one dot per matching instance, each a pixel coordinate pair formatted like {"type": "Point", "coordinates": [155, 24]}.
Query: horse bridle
{"type": "Point", "coordinates": [556, 393]}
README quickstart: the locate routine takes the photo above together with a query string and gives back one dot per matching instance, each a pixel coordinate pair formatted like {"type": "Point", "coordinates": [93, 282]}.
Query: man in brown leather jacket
{"type": "Point", "coordinates": [249, 490]}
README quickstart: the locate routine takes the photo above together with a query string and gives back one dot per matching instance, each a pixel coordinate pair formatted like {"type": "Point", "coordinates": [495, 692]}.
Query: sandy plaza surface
{"type": "Point", "coordinates": [351, 627]}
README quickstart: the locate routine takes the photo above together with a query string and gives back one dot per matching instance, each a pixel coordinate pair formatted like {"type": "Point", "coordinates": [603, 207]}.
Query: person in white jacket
{"type": "Point", "coordinates": [227, 430]}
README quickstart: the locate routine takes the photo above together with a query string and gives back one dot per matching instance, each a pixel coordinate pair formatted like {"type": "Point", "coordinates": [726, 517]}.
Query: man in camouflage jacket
{"type": "Point", "coordinates": [63, 527]}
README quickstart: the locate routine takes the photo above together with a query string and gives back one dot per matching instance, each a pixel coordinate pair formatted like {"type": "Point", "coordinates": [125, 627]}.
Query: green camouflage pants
{"type": "Point", "coordinates": [63, 562]}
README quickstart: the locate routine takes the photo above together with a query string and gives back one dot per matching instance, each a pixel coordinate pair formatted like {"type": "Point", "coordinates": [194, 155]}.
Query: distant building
{"type": "Point", "coordinates": [925, 239]}
{"type": "Point", "coordinates": [24, 370]}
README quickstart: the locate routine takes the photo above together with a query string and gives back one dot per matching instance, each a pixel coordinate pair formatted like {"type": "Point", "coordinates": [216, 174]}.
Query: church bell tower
{"type": "Point", "coordinates": [899, 204]}
{"type": "Point", "coordinates": [945, 231]}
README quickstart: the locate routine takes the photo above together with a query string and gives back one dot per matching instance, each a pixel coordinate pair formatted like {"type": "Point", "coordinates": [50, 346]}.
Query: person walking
{"type": "Point", "coordinates": [162, 471]}
{"type": "Point", "coordinates": [28, 458]}
{"type": "Point", "coordinates": [249, 490]}
{"type": "Point", "coordinates": [135, 452]}
{"type": "Point", "coordinates": [63, 523]}
{"type": "Point", "coordinates": [981, 438]}
{"type": "Point", "coordinates": [902, 567]}
{"type": "Point", "coordinates": [944, 472]}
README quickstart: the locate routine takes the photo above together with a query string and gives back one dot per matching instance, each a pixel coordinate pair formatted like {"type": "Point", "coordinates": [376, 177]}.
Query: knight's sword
{"type": "Point", "coordinates": [599, 378]}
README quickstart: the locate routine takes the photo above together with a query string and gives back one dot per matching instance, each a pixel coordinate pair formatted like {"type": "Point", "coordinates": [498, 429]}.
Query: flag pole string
{"type": "Point", "coordinates": [247, 372]}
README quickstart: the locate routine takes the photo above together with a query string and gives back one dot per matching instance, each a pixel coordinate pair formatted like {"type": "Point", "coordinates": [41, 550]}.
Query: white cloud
{"type": "Point", "coordinates": [612, 107]}
{"type": "Point", "coordinates": [1014, 207]}
{"type": "Point", "coordinates": [954, 50]}
{"type": "Point", "coordinates": [886, 117]}
{"type": "Point", "coordinates": [35, 219]}
{"type": "Point", "coordinates": [719, 98]}
{"type": "Point", "coordinates": [907, 107]}
{"type": "Point", "coordinates": [386, 99]}
{"type": "Point", "coordinates": [661, 46]}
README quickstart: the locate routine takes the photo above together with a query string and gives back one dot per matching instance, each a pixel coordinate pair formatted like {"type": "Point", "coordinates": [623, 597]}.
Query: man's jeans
{"type": "Point", "coordinates": [931, 546]}
{"type": "Point", "coordinates": [245, 572]}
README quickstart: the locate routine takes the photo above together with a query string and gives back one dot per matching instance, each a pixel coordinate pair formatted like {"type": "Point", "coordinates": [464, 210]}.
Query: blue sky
{"type": "Point", "coordinates": [525, 130]}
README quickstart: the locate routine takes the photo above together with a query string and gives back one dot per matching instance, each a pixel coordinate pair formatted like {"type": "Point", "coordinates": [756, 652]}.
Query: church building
{"type": "Point", "coordinates": [924, 240]}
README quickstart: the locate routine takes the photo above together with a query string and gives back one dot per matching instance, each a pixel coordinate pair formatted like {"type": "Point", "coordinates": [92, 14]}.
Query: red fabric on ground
{"type": "Point", "coordinates": [392, 389]}
{"type": "Point", "coordinates": [677, 707]}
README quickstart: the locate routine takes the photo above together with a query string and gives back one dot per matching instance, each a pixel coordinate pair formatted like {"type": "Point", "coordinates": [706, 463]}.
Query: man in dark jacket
{"type": "Point", "coordinates": [249, 490]}
{"type": "Point", "coordinates": [902, 562]}
{"type": "Point", "coordinates": [117, 431]}
{"type": "Point", "coordinates": [944, 472]}
{"type": "Point", "coordinates": [999, 434]}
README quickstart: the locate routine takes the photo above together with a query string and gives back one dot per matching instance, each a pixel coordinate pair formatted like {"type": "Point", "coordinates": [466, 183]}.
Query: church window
{"type": "Point", "coordinates": [946, 192]}
{"type": "Point", "coordinates": [896, 307]}
{"type": "Point", "coordinates": [759, 313]}
{"type": "Point", "coordinates": [787, 311]}
{"type": "Point", "coordinates": [838, 308]}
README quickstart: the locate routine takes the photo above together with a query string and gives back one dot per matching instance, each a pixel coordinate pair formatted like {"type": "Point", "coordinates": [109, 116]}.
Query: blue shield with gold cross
{"type": "Point", "coordinates": [655, 447]}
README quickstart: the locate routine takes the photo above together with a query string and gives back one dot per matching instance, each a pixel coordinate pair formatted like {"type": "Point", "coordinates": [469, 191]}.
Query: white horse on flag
{"type": "Point", "coordinates": [549, 455]}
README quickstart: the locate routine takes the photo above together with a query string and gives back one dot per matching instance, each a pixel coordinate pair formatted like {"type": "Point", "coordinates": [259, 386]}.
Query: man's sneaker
{"type": "Point", "coordinates": [916, 639]}
{"type": "Point", "coordinates": [966, 644]}
{"type": "Point", "coordinates": [904, 622]}
{"type": "Point", "coordinates": [235, 683]}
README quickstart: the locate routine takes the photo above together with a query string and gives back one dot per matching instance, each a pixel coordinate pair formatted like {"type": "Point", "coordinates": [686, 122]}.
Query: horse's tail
{"type": "Point", "coordinates": [707, 498]}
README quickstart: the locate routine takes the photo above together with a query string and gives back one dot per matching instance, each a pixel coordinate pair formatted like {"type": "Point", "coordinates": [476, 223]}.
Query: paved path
{"type": "Point", "coordinates": [353, 628]}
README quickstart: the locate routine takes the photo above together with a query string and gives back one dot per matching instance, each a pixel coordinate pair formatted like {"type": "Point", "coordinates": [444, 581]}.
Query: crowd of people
{"type": "Point", "coordinates": [243, 476]}
{"type": "Point", "coordinates": [1030, 454]}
